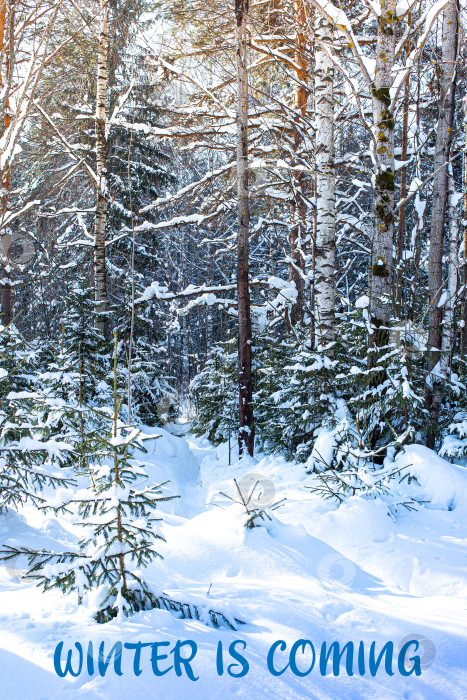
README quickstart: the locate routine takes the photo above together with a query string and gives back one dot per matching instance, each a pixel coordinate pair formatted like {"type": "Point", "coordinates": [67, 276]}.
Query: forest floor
{"type": "Point", "coordinates": [315, 572]}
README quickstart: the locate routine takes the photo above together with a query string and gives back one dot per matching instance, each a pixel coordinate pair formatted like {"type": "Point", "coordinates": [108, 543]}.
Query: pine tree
{"type": "Point", "coordinates": [56, 406]}
{"type": "Point", "coordinates": [118, 514]}
{"type": "Point", "coordinates": [215, 393]}
{"type": "Point", "coordinates": [295, 394]}
{"type": "Point", "coordinates": [153, 397]}
{"type": "Point", "coordinates": [30, 460]}
{"type": "Point", "coordinates": [86, 350]}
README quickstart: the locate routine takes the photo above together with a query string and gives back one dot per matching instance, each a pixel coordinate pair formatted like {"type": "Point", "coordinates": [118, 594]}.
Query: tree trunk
{"type": "Point", "coordinates": [6, 36]}
{"type": "Point", "coordinates": [246, 426]}
{"type": "Point", "coordinates": [297, 230]}
{"type": "Point", "coordinates": [464, 295]}
{"type": "Point", "coordinates": [448, 307]}
{"type": "Point", "coordinates": [100, 282]}
{"type": "Point", "coordinates": [403, 186]}
{"type": "Point", "coordinates": [453, 270]}
{"type": "Point", "coordinates": [325, 251]}
{"type": "Point", "coordinates": [438, 211]}
{"type": "Point", "coordinates": [312, 269]}
{"type": "Point", "coordinates": [381, 274]}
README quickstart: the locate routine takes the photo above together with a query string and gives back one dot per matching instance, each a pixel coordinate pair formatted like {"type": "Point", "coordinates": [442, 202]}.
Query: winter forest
{"type": "Point", "coordinates": [233, 348]}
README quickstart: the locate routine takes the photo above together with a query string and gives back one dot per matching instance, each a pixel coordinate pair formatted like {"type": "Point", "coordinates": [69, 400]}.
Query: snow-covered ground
{"type": "Point", "coordinates": [315, 572]}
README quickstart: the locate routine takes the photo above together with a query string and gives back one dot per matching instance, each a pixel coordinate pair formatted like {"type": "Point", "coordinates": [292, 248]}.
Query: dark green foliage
{"type": "Point", "coordinates": [154, 400]}
{"type": "Point", "coordinates": [215, 393]}
{"type": "Point", "coordinates": [385, 391]}
{"type": "Point", "coordinates": [30, 457]}
{"type": "Point", "coordinates": [118, 511]}
{"type": "Point", "coordinates": [87, 352]}
{"type": "Point", "coordinates": [294, 393]}
{"type": "Point", "coordinates": [18, 361]}
{"type": "Point", "coordinates": [117, 508]}
{"type": "Point", "coordinates": [139, 172]}
{"type": "Point", "coordinates": [363, 403]}
{"type": "Point", "coordinates": [56, 408]}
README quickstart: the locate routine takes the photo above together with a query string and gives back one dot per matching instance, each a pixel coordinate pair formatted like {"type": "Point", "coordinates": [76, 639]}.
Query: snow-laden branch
{"type": "Point", "coordinates": [70, 149]}
{"type": "Point", "coordinates": [161, 292]}
{"type": "Point", "coordinates": [10, 216]}
{"type": "Point", "coordinates": [168, 199]}
{"type": "Point", "coordinates": [428, 19]}
{"type": "Point", "coordinates": [341, 22]}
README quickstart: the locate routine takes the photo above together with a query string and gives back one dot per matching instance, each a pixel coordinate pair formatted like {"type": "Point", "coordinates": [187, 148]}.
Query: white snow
{"type": "Point", "coordinates": [442, 300]}
{"type": "Point", "coordinates": [362, 302]}
{"type": "Point", "coordinates": [315, 571]}
{"type": "Point", "coordinates": [402, 8]}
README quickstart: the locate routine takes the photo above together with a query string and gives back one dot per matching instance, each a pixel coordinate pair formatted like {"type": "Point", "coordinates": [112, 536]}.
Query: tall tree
{"type": "Point", "coordinates": [325, 252]}
{"type": "Point", "coordinates": [7, 13]}
{"type": "Point", "coordinates": [448, 71]}
{"type": "Point", "coordinates": [381, 279]}
{"type": "Point", "coordinates": [400, 243]}
{"type": "Point", "coordinates": [464, 298]}
{"type": "Point", "coordinates": [452, 283]}
{"type": "Point", "coordinates": [298, 225]}
{"type": "Point", "coordinates": [100, 283]}
{"type": "Point", "coordinates": [246, 434]}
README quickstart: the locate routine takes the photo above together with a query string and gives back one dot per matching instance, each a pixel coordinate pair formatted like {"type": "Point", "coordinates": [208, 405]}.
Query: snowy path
{"type": "Point", "coordinates": [316, 572]}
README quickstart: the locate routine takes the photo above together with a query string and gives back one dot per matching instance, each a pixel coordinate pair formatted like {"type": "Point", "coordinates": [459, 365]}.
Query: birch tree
{"type": "Point", "coordinates": [438, 211]}
{"type": "Point", "coordinates": [381, 276]}
{"type": "Point", "coordinates": [100, 283]}
{"type": "Point", "coordinates": [325, 254]}
{"type": "Point", "coordinates": [403, 183]}
{"type": "Point", "coordinates": [298, 226]}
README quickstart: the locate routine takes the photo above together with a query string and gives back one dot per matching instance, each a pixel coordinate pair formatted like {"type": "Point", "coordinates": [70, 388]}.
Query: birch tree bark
{"type": "Point", "coordinates": [297, 231]}
{"type": "Point", "coordinates": [7, 12]}
{"type": "Point", "coordinates": [403, 185]}
{"type": "Point", "coordinates": [100, 282]}
{"type": "Point", "coordinates": [464, 295]}
{"type": "Point", "coordinates": [438, 211]}
{"type": "Point", "coordinates": [246, 426]}
{"type": "Point", "coordinates": [381, 273]}
{"type": "Point", "coordinates": [325, 250]}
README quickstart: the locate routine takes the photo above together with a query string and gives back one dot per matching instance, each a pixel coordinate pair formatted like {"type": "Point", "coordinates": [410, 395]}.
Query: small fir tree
{"type": "Point", "coordinates": [118, 513]}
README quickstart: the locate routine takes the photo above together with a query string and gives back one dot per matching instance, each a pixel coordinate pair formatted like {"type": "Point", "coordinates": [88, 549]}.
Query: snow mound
{"type": "Point", "coordinates": [441, 483]}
